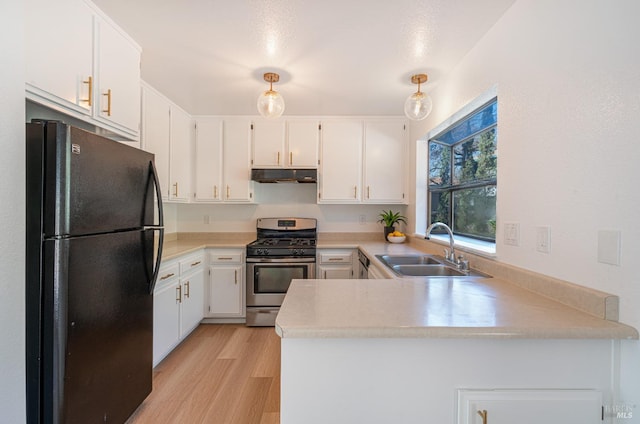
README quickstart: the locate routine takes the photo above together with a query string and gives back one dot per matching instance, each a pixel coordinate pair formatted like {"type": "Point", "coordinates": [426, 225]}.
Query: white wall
{"type": "Point", "coordinates": [275, 200]}
{"type": "Point", "coordinates": [568, 77]}
{"type": "Point", "coordinates": [12, 214]}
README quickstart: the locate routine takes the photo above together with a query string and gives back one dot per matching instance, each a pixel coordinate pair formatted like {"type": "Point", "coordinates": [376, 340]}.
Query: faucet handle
{"type": "Point", "coordinates": [446, 254]}
{"type": "Point", "coordinates": [463, 264]}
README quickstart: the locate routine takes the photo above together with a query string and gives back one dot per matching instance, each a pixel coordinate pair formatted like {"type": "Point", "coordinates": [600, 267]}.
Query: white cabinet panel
{"type": "Point", "coordinates": [118, 88]}
{"type": "Point", "coordinates": [268, 138]}
{"type": "Point", "coordinates": [208, 160]}
{"type": "Point", "coordinates": [226, 284]}
{"type": "Point", "coordinates": [192, 308]}
{"type": "Point", "coordinates": [236, 160]}
{"type": "Point", "coordinates": [385, 152]}
{"type": "Point", "coordinates": [57, 62]}
{"type": "Point", "coordinates": [156, 127]}
{"type": "Point", "coordinates": [340, 162]}
{"type": "Point", "coordinates": [180, 156]}
{"type": "Point", "coordinates": [303, 138]}
{"type": "Point", "coordinates": [529, 406]}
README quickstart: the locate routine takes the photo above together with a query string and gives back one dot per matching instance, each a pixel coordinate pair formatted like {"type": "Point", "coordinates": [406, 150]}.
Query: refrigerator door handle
{"type": "Point", "coordinates": [159, 227]}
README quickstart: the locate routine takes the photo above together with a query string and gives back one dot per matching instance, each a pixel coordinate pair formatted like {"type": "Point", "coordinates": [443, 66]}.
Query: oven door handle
{"type": "Point", "coordinates": [281, 260]}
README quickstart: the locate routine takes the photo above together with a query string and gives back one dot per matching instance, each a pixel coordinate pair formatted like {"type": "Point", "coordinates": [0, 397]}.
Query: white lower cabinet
{"type": "Point", "coordinates": [529, 406]}
{"type": "Point", "coordinates": [178, 301]}
{"type": "Point", "coordinates": [226, 283]}
{"type": "Point", "coordinates": [335, 263]}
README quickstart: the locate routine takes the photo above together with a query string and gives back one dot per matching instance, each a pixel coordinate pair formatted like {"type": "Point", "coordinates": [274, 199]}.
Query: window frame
{"type": "Point", "coordinates": [483, 246]}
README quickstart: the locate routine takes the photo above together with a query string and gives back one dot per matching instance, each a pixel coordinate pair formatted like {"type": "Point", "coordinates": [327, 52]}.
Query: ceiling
{"type": "Point", "coordinates": [334, 57]}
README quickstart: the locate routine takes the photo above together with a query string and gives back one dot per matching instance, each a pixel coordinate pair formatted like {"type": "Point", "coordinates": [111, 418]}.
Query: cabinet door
{"type": "Point", "coordinates": [329, 272]}
{"type": "Point", "coordinates": [58, 62]}
{"type": "Point", "coordinates": [118, 63]}
{"type": "Point", "coordinates": [208, 160]}
{"type": "Point", "coordinates": [192, 302]}
{"type": "Point", "coordinates": [156, 128]}
{"type": "Point", "coordinates": [530, 406]}
{"type": "Point", "coordinates": [180, 157]}
{"type": "Point", "coordinates": [341, 161]}
{"type": "Point", "coordinates": [236, 159]}
{"type": "Point", "coordinates": [225, 290]}
{"type": "Point", "coordinates": [268, 144]}
{"type": "Point", "coordinates": [166, 320]}
{"type": "Point", "coordinates": [384, 162]}
{"type": "Point", "coordinates": [303, 137]}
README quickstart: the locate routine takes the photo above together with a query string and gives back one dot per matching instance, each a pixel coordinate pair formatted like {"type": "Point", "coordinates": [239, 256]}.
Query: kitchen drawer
{"type": "Point", "coordinates": [336, 257]}
{"type": "Point", "coordinates": [191, 263]}
{"type": "Point", "coordinates": [226, 257]}
{"type": "Point", "coordinates": [168, 274]}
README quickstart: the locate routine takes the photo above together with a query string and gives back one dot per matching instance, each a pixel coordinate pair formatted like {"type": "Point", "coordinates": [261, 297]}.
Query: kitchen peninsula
{"type": "Point", "coordinates": [418, 350]}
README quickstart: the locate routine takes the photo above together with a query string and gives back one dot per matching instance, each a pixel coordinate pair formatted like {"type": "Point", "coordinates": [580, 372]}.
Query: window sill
{"type": "Point", "coordinates": [479, 247]}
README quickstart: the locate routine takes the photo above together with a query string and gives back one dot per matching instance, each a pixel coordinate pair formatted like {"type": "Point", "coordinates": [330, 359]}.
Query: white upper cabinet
{"type": "Point", "coordinates": [268, 143]}
{"type": "Point", "coordinates": [156, 130]}
{"type": "Point", "coordinates": [118, 78]}
{"type": "Point", "coordinates": [385, 153]}
{"type": "Point", "coordinates": [180, 155]}
{"type": "Point", "coordinates": [340, 162]}
{"type": "Point", "coordinates": [74, 56]}
{"type": "Point", "coordinates": [285, 144]}
{"type": "Point", "coordinates": [303, 137]}
{"type": "Point", "coordinates": [208, 160]}
{"type": "Point", "coordinates": [59, 64]}
{"type": "Point", "coordinates": [237, 160]}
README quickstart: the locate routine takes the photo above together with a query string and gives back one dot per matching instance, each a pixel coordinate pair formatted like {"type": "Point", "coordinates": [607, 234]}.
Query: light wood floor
{"type": "Point", "coordinates": [226, 374]}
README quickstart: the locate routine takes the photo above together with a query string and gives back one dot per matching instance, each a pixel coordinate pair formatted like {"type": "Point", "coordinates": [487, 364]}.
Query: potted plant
{"type": "Point", "coordinates": [390, 219]}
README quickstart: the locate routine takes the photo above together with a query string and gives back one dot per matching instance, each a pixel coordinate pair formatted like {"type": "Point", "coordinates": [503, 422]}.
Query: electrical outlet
{"type": "Point", "coordinates": [543, 239]}
{"type": "Point", "coordinates": [512, 233]}
{"type": "Point", "coordinates": [362, 219]}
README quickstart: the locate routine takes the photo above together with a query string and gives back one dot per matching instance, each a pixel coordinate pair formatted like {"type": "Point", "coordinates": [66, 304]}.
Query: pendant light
{"type": "Point", "coordinates": [418, 105]}
{"type": "Point", "coordinates": [271, 103]}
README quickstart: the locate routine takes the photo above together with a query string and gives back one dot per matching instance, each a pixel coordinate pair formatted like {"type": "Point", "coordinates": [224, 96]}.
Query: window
{"type": "Point", "coordinates": [463, 174]}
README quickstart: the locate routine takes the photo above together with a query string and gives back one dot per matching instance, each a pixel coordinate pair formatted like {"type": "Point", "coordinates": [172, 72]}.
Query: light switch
{"type": "Point", "coordinates": [543, 239]}
{"type": "Point", "coordinates": [609, 247]}
{"type": "Point", "coordinates": [512, 233]}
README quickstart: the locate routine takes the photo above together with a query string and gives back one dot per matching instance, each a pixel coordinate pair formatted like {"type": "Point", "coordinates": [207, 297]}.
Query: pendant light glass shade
{"type": "Point", "coordinates": [271, 103]}
{"type": "Point", "coordinates": [418, 105]}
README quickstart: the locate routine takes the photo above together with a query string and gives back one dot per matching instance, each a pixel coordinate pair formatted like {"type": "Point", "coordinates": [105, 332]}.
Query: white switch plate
{"type": "Point", "coordinates": [543, 239]}
{"type": "Point", "coordinates": [512, 233]}
{"type": "Point", "coordinates": [609, 247]}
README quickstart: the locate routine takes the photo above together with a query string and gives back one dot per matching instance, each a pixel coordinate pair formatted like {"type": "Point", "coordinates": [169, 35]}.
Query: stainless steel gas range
{"type": "Point", "coordinates": [285, 250]}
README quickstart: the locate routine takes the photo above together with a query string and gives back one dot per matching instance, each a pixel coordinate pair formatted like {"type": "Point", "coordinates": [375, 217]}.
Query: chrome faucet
{"type": "Point", "coordinates": [450, 254]}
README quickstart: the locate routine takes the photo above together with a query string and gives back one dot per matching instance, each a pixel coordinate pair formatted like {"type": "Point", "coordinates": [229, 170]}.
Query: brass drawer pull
{"type": "Point", "coordinates": [483, 414]}
{"type": "Point", "coordinates": [167, 276]}
{"type": "Point", "coordinates": [89, 82]}
{"type": "Point", "coordinates": [108, 94]}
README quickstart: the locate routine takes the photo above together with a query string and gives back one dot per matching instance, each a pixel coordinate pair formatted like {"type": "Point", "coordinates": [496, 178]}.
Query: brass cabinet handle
{"type": "Point", "coordinates": [164, 277]}
{"type": "Point", "coordinates": [108, 94]}
{"type": "Point", "coordinates": [228, 191]}
{"type": "Point", "coordinates": [335, 259]}
{"type": "Point", "coordinates": [179, 294]}
{"type": "Point", "coordinates": [89, 82]}
{"type": "Point", "coordinates": [235, 272]}
{"type": "Point", "coordinates": [278, 158]}
{"type": "Point", "coordinates": [186, 292]}
{"type": "Point", "coordinates": [483, 414]}
{"type": "Point", "coordinates": [175, 191]}
{"type": "Point", "coordinates": [196, 263]}
{"type": "Point", "coordinates": [215, 191]}
{"type": "Point", "coordinates": [290, 158]}
{"type": "Point", "coordinates": [368, 192]}
{"type": "Point", "coordinates": [221, 258]}
{"type": "Point", "coordinates": [355, 192]}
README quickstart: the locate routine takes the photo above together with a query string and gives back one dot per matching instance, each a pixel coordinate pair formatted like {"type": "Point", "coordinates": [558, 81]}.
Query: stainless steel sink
{"type": "Point", "coordinates": [408, 260]}
{"type": "Point", "coordinates": [425, 266]}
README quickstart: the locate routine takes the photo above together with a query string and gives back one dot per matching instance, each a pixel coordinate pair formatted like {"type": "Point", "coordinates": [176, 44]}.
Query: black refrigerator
{"type": "Point", "coordinates": [93, 244]}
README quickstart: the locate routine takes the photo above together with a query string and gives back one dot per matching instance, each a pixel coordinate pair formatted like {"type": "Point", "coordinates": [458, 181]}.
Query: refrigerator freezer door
{"type": "Point", "coordinates": [97, 326]}
{"type": "Point", "coordinates": [92, 185]}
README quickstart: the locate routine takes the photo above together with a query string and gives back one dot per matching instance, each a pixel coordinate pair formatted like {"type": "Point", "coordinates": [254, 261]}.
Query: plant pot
{"type": "Point", "coordinates": [387, 231]}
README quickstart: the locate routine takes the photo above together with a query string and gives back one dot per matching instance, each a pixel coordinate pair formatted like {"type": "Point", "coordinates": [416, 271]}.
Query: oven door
{"type": "Point", "coordinates": [269, 279]}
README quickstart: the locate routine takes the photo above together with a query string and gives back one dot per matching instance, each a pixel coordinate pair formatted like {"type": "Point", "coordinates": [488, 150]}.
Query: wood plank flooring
{"type": "Point", "coordinates": [221, 374]}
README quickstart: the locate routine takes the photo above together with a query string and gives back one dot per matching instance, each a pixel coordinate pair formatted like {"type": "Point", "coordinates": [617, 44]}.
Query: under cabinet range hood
{"type": "Point", "coordinates": [284, 175]}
